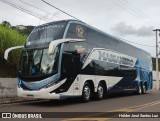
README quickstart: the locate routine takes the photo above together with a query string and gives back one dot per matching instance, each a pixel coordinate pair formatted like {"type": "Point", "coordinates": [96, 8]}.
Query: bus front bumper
{"type": "Point", "coordinates": [40, 94]}
{"type": "Point", "coordinates": [43, 93]}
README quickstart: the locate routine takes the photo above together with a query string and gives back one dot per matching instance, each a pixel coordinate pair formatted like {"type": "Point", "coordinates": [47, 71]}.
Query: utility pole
{"type": "Point", "coordinates": [157, 53]}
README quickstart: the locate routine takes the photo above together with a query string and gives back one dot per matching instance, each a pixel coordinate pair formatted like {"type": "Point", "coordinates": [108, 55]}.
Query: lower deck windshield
{"type": "Point", "coordinates": [35, 63]}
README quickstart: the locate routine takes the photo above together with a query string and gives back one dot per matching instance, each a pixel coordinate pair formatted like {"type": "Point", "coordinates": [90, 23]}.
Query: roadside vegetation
{"type": "Point", "coordinates": [8, 38]}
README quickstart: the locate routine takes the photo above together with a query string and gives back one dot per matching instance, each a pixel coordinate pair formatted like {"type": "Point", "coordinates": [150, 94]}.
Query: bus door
{"type": "Point", "coordinates": [70, 70]}
{"type": "Point", "coordinates": [76, 64]}
{"type": "Point", "coordinates": [67, 68]}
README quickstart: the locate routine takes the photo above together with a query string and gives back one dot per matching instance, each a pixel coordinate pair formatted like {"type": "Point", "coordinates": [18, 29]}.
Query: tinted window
{"type": "Point", "coordinates": [111, 69]}
{"type": "Point", "coordinates": [108, 42]}
{"type": "Point", "coordinates": [46, 33]}
{"type": "Point", "coordinates": [90, 47]}
{"type": "Point", "coordinates": [91, 36]}
{"type": "Point", "coordinates": [95, 38]}
{"type": "Point", "coordinates": [77, 31]}
{"type": "Point", "coordinates": [120, 47]}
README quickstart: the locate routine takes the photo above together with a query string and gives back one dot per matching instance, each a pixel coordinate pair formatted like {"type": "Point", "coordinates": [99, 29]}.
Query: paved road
{"type": "Point", "coordinates": [149, 102]}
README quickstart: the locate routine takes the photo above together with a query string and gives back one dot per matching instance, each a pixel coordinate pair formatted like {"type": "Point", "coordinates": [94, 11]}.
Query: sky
{"type": "Point", "coordinates": [131, 20]}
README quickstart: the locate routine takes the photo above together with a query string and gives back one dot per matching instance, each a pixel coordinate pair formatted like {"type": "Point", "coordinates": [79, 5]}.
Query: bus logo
{"type": "Point", "coordinates": [6, 115]}
{"type": "Point", "coordinates": [79, 31]}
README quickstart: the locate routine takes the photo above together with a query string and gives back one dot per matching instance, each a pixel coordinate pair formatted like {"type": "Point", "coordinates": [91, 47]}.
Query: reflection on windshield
{"type": "Point", "coordinates": [46, 33]}
{"type": "Point", "coordinates": [39, 62]}
{"type": "Point", "coordinates": [47, 61]}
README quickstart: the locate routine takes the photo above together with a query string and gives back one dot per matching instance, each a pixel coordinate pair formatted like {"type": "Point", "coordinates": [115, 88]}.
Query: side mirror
{"type": "Point", "coordinates": [9, 49]}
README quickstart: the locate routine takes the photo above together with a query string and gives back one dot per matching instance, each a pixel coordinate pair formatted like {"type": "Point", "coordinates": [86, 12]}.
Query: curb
{"type": "Point", "coordinates": [15, 100]}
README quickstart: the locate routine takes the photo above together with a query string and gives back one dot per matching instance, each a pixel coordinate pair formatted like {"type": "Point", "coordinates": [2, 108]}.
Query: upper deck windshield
{"type": "Point", "coordinates": [38, 63]}
{"type": "Point", "coordinates": [46, 33]}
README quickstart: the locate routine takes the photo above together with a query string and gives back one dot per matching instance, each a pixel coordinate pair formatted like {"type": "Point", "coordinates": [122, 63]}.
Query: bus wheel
{"type": "Point", "coordinates": [100, 92]}
{"type": "Point", "coordinates": [140, 89]}
{"type": "Point", "coordinates": [86, 94]}
{"type": "Point", "coordinates": [144, 89]}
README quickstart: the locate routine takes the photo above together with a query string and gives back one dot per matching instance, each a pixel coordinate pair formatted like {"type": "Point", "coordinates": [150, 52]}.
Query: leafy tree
{"type": "Point", "coordinates": [6, 23]}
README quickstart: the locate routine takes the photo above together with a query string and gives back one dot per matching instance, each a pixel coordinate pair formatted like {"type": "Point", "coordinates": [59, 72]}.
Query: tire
{"type": "Point", "coordinates": [86, 93]}
{"type": "Point", "coordinates": [139, 92]}
{"type": "Point", "coordinates": [100, 92]}
{"type": "Point", "coordinates": [144, 89]}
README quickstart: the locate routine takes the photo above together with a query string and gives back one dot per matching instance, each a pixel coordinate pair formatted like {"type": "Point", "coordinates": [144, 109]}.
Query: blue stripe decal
{"type": "Point", "coordinates": [124, 83]}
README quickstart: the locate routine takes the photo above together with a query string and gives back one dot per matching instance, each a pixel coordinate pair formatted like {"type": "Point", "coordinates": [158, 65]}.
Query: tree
{"type": "Point", "coordinates": [6, 23]}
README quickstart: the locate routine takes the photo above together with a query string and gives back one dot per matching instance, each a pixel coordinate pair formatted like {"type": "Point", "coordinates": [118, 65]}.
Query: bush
{"type": "Point", "coordinates": [10, 38]}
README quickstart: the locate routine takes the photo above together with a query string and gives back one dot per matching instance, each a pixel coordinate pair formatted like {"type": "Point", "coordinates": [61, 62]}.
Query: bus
{"type": "Point", "coordinates": [70, 58]}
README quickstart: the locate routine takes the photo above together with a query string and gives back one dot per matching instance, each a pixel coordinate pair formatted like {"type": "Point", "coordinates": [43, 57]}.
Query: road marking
{"type": "Point", "coordinates": [138, 106]}
{"type": "Point", "coordinates": [129, 109]}
{"type": "Point", "coordinates": [86, 119]}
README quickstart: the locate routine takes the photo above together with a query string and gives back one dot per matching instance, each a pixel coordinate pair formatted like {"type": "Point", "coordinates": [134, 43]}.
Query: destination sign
{"type": "Point", "coordinates": [54, 26]}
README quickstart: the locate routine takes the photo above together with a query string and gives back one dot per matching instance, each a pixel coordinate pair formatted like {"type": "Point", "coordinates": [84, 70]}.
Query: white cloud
{"type": "Point", "coordinates": [125, 30]}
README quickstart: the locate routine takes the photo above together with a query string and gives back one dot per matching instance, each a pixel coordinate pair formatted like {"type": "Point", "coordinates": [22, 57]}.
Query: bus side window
{"type": "Point", "coordinates": [77, 31]}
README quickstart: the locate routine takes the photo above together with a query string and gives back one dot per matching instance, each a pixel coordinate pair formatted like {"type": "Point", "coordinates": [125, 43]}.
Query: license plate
{"type": "Point", "coordinates": [30, 96]}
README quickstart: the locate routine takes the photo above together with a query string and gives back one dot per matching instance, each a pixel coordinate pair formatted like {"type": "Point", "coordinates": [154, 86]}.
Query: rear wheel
{"type": "Point", "coordinates": [139, 89]}
{"type": "Point", "coordinates": [100, 92]}
{"type": "Point", "coordinates": [86, 93]}
{"type": "Point", "coordinates": [144, 89]}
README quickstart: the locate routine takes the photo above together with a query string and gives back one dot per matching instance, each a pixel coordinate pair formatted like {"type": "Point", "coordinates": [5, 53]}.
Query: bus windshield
{"type": "Point", "coordinates": [46, 33]}
{"type": "Point", "coordinates": [38, 62]}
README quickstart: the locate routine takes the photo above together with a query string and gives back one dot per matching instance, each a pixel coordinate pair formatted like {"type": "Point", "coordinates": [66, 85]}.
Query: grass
{"type": "Point", "coordinates": [9, 38]}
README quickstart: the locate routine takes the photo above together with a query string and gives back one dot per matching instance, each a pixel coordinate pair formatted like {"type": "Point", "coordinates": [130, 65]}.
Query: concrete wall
{"type": "Point", "coordinates": [154, 78]}
{"type": "Point", "coordinates": [8, 87]}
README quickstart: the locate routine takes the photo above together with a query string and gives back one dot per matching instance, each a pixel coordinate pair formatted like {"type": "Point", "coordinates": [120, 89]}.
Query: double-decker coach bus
{"type": "Point", "coordinates": [70, 58]}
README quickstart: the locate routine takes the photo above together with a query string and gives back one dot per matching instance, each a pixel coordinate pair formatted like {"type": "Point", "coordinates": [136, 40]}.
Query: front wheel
{"type": "Point", "coordinates": [86, 93]}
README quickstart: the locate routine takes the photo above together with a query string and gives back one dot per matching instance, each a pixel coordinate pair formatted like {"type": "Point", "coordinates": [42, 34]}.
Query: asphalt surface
{"type": "Point", "coordinates": [92, 111]}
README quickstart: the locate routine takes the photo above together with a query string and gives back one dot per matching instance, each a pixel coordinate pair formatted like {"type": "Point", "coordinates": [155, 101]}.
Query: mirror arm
{"type": "Point", "coordinates": [10, 49]}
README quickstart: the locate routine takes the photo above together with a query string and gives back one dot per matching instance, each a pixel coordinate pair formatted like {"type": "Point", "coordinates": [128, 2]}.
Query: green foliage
{"type": "Point", "coordinates": [10, 38]}
{"type": "Point", "coordinates": [6, 23]}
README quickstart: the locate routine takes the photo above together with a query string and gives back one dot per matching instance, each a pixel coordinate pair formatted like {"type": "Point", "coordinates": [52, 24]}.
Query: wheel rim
{"type": "Point", "coordinates": [100, 91]}
{"type": "Point", "coordinates": [140, 90]}
{"type": "Point", "coordinates": [144, 89]}
{"type": "Point", "coordinates": [87, 92]}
